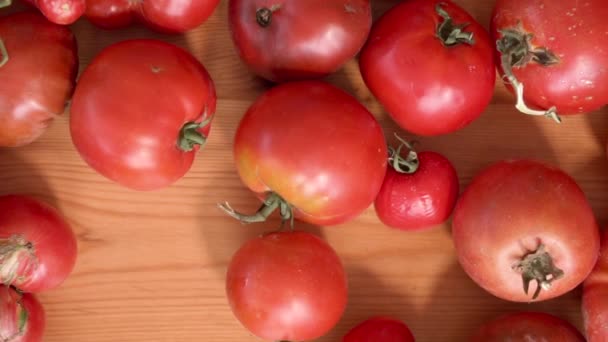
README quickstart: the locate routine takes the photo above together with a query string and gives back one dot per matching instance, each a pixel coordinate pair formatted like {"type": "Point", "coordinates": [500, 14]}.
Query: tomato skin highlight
{"type": "Point", "coordinates": [32, 94]}
{"type": "Point", "coordinates": [595, 297]}
{"type": "Point", "coordinates": [302, 40]}
{"type": "Point", "coordinates": [421, 200]}
{"type": "Point", "coordinates": [516, 207]}
{"type": "Point", "coordinates": [23, 317]}
{"type": "Point", "coordinates": [527, 326]}
{"type": "Point", "coordinates": [287, 286]}
{"type": "Point", "coordinates": [576, 33]}
{"type": "Point", "coordinates": [61, 12]}
{"type": "Point", "coordinates": [427, 88]}
{"type": "Point", "coordinates": [380, 329]}
{"type": "Point", "coordinates": [130, 134]}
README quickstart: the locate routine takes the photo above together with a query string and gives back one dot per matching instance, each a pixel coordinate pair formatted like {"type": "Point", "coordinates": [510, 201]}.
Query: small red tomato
{"type": "Point", "coordinates": [37, 246]}
{"type": "Point", "coordinates": [418, 192]}
{"type": "Point", "coordinates": [22, 317]}
{"type": "Point", "coordinates": [140, 112]}
{"type": "Point", "coordinates": [595, 297]}
{"type": "Point", "coordinates": [380, 329]}
{"type": "Point", "coordinates": [553, 54]}
{"type": "Point", "coordinates": [287, 286]}
{"type": "Point", "coordinates": [61, 12]}
{"type": "Point", "coordinates": [521, 222]}
{"type": "Point", "coordinates": [528, 326]}
{"type": "Point", "coordinates": [287, 40]}
{"type": "Point", "coordinates": [430, 64]}
{"type": "Point", "coordinates": [33, 93]}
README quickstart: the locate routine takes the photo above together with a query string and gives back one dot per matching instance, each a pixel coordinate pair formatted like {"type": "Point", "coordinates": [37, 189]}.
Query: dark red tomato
{"type": "Point", "coordinates": [595, 297]}
{"type": "Point", "coordinates": [313, 148]}
{"type": "Point", "coordinates": [287, 286]}
{"type": "Point", "coordinates": [528, 326]}
{"type": "Point", "coordinates": [554, 53]}
{"type": "Point", "coordinates": [380, 329]}
{"type": "Point", "coordinates": [288, 40]}
{"type": "Point", "coordinates": [37, 246]}
{"type": "Point", "coordinates": [140, 112]}
{"type": "Point", "coordinates": [61, 12]}
{"type": "Point", "coordinates": [523, 225]}
{"type": "Point", "coordinates": [430, 73]}
{"type": "Point", "coordinates": [23, 317]}
{"type": "Point", "coordinates": [32, 93]}
{"type": "Point", "coordinates": [418, 192]}
{"type": "Point", "coordinates": [169, 16]}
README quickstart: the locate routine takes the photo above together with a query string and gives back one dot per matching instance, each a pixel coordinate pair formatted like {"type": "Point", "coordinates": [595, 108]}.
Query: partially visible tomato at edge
{"type": "Point", "coordinates": [380, 329]}
{"type": "Point", "coordinates": [595, 297]}
{"type": "Point", "coordinates": [527, 326]}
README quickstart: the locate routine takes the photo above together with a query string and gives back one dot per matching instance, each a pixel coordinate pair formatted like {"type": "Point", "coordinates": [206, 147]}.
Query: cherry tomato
{"type": "Point", "coordinates": [595, 297]}
{"type": "Point", "coordinates": [418, 192]}
{"type": "Point", "coordinates": [62, 12]}
{"type": "Point", "coordinates": [23, 317]}
{"type": "Point", "coordinates": [310, 148]}
{"type": "Point", "coordinates": [553, 54]}
{"type": "Point", "coordinates": [430, 64]}
{"type": "Point", "coordinates": [380, 329]}
{"type": "Point", "coordinates": [140, 112]}
{"type": "Point", "coordinates": [288, 40]}
{"type": "Point", "coordinates": [32, 93]}
{"type": "Point", "coordinates": [287, 286]}
{"type": "Point", "coordinates": [168, 16]}
{"type": "Point", "coordinates": [37, 246]}
{"type": "Point", "coordinates": [528, 326]}
{"type": "Point", "coordinates": [524, 225]}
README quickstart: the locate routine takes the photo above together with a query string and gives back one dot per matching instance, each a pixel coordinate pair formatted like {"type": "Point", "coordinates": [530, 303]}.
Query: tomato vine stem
{"type": "Point", "coordinates": [272, 202]}
{"type": "Point", "coordinates": [449, 33]}
{"type": "Point", "coordinates": [189, 136]}
{"type": "Point", "coordinates": [4, 53]}
{"type": "Point", "coordinates": [5, 3]}
{"type": "Point", "coordinates": [538, 266]}
{"type": "Point", "coordinates": [408, 164]}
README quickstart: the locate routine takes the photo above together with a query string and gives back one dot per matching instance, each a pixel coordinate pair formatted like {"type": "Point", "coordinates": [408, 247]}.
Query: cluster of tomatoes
{"type": "Point", "coordinates": [523, 230]}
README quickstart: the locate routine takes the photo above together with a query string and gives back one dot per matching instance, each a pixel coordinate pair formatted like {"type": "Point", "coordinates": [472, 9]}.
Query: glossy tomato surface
{"type": "Point", "coordinates": [595, 297]}
{"type": "Point", "coordinates": [170, 16]}
{"type": "Point", "coordinates": [32, 93]}
{"type": "Point", "coordinates": [61, 12]}
{"type": "Point", "coordinates": [525, 211]}
{"type": "Point", "coordinates": [287, 286]}
{"type": "Point", "coordinates": [316, 147]}
{"type": "Point", "coordinates": [293, 40]}
{"type": "Point", "coordinates": [575, 32]}
{"type": "Point", "coordinates": [38, 248]}
{"type": "Point", "coordinates": [419, 200]}
{"type": "Point", "coordinates": [380, 329]}
{"type": "Point", "coordinates": [528, 326]}
{"type": "Point", "coordinates": [23, 317]}
{"type": "Point", "coordinates": [131, 108]}
{"type": "Point", "coordinates": [427, 87]}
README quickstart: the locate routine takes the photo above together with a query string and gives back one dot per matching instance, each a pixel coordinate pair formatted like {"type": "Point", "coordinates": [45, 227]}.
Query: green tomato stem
{"type": "Point", "coordinates": [538, 266]}
{"type": "Point", "coordinates": [272, 202]}
{"type": "Point", "coordinates": [5, 3]}
{"type": "Point", "coordinates": [407, 165]}
{"type": "Point", "coordinates": [449, 33]}
{"type": "Point", "coordinates": [189, 135]}
{"type": "Point", "coordinates": [3, 51]}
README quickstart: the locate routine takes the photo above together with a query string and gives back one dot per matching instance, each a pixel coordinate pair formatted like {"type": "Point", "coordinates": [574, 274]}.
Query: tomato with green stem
{"type": "Point", "coordinates": [23, 317]}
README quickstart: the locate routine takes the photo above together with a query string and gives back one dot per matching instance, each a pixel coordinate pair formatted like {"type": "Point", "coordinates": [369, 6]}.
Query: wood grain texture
{"type": "Point", "coordinates": [151, 265]}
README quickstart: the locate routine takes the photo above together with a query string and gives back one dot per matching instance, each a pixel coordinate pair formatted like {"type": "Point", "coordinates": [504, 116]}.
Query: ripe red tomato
{"type": "Point", "coordinates": [528, 326]}
{"type": "Point", "coordinates": [418, 192]}
{"type": "Point", "coordinates": [430, 73]}
{"type": "Point", "coordinates": [595, 297]}
{"type": "Point", "coordinates": [523, 222]}
{"type": "Point", "coordinates": [554, 53]}
{"type": "Point", "coordinates": [169, 16]}
{"type": "Point", "coordinates": [63, 12]}
{"type": "Point", "coordinates": [144, 137]}
{"type": "Point", "coordinates": [32, 93]}
{"type": "Point", "coordinates": [313, 148]}
{"type": "Point", "coordinates": [288, 40]}
{"type": "Point", "coordinates": [37, 246]}
{"type": "Point", "coordinates": [287, 286]}
{"type": "Point", "coordinates": [380, 329]}
{"type": "Point", "coordinates": [23, 317]}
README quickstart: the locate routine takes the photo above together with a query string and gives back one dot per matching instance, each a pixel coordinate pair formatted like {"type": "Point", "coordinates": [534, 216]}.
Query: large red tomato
{"type": "Point", "coordinates": [287, 286]}
{"type": "Point", "coordinates": [313, 148]}
{"type": "Point", "coordinates": [62, 12]}
{"type": "Point", "coordinates": [22, 317]}
{"type": "Point", "coordinates": [380, 329]}
{"type": "Point", "coordinates": [171, 16]}
{"type": "Point", "coordinates": [293, 39]}
{"type": "Point", "coordinates": [523, 225]}
{"type": "Point", "coordinates": [140, 112]}
{"type": "Point", "coordinates": [37, 246]}
{"type": "Point", "coordinates": [33, 93]}
{"type": "Point", "coordinates": [553, 54]}
{"type": "Point", "coordinates": [595, 297]}
{"type": "Point", "coordinates": [430, 64]}
{"type": "Point", "coordinates": [528, 326]}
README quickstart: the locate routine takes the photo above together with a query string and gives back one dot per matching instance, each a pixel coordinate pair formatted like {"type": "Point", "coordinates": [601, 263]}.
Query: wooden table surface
{"type": "Point", "coordinates": [151, 265]}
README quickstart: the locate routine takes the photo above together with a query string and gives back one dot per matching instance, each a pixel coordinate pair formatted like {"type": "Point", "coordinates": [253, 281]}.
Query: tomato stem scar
{"type": "Point", "coordinates": [449, 33]}
{"type": "Point", "coordinates": [264, 15]}
{"type": "Point", "coordinates": [4, 53]}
